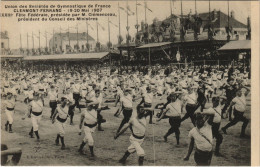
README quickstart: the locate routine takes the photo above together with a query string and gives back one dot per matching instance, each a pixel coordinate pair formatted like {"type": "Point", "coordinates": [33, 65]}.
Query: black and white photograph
{"type": "Point", "coordinates": [129, 83]}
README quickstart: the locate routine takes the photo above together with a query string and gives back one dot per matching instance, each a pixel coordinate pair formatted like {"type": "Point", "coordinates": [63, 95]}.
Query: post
{"type": "Point", "coordinates": [136, 17]}
{"type": "Point", "coordinates": [87, 36]}
{"type": "Point", "coordinates": [69, 34]}
{"type": "Point", "coordinates": [127, 28]}
{"type": "Point", "coordinates": [77, 38]}
{"type": "Point", "coordinates": [39, 41]}
{"type": "Point", "coordinates": [149, 57]}
{"type": "Point", "coordinates": [53, 41]}
{"type": "Point", "coordinates": [60, 40]}
{"type": "Point", "coordinates": [97, 32]}
{"type": "Point", "coordinates": [32, 40]}
{"type": "Point", "coordinates": [196, 7]}
{"type": "Point", "coordinates": [108, 33]}
{"type": "Point", "coordinates": [218, 64]}
{"type": "Point", "coordinates": [21, 41]}
{"type": "Point", "coordinates": [46, 39]}
{"type": "Point", "coordinates": [119, 29]}
{"type": "Point", "coordinates": [228, 36]}
{"type": "Point", "coordinates": [204, 64]}
{"type": "Point", "coordinates": [27, 42]}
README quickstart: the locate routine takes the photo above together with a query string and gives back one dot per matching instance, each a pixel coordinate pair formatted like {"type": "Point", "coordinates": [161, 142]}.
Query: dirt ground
{"type": "Point", "coordinates": [235, 151]}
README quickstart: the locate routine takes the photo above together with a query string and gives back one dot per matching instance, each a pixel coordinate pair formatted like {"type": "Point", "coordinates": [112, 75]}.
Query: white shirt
{"type": "Point", "coordinates": [240, 103]}
{"type": "Point", "coordinates": [191, 98]}
{"type": "Point", "coordinates": [37, 106]}
{"type": "Point", "coordinates": [90, 116]}
{"type": "Point", "coordinates": [217, 114]}
{"type": "Point", "coordinates": [10, 103]}
{"type": "Point", "coordinates": [53, 95]}
{"type": "Point", "coordinates": [138, 126]}
{"type": "Point", "coordinates": [76, 88]}
{"type": "Point", "coordinates": [202, 143]}
{"type": "Point", "coordinates": [63, 112]}
{"type": "Point", "coordinates": [127, 101]}
{"type": "Point", "coordinates": [148, 97]}
{"type": "Point", "coordinates": [174, 109]}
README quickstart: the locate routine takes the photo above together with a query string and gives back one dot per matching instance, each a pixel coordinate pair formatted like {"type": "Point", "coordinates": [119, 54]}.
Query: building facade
{"type": "Point", "coordinates": [72, 42]}
{"type": "Point", "coordinates": [4, 43]}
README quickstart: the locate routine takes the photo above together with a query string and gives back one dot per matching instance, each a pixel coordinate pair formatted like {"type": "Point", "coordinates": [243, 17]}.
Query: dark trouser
{"type": "Point", "coordinates": [53, 106]}
{"type": "Point", "coordinates": [201, 103]}
{"type": "Point", "coordinates": [127, 115]}
{"type": "Point", "coordinates": [99, 117]}
{"type": "Point", "coordinates": [76, 97]}
{"type": "Point", "coordinates": [226, 105]}
{"type": "Point", "coordinates": [71, 112]}
{"type": "Point", "coordinates": [175, 123]}
{"type": "Point", "coordinates": [238, 116]}
{"type": "Point", "coordinates": [217, 135]}
{"type": "Point", "coordinates": [202, 158]}
{"type": "Point", "coordinates": [149, 112]}
{"type": "Point", "coordinates": [162, 108]}
{"type": "Point", "coordinates": [190, 109]}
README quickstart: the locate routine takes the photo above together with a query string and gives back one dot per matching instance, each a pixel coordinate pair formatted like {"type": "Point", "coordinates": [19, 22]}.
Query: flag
{"type": "Point", "coordinates": [150, 10]}
{"type": "Point", "coordinates": [128, 9]}
{"type": "Point", "coordinates": [122, 8]}
{"type": "Point", "coordinates": [145, 6]}
{"type": "Point", "coordinates": [91, 27]}
{"type": "Point", "coordinates": [113, 24]}
{"type": "Point", "coordinates": [101, 27]}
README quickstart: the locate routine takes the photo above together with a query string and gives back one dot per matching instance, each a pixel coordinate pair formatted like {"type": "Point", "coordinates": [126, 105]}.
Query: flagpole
{"type": "Point", "coordinates": [32, 40]}
{"type": "Point", "coordinates": [196, 7]}
{"type": "Point", "coordinates": [27, 42]}
{"type": "Point", "coordinates": [119, 36]}
{"type": "Point", "coordinates": [228, 36]}
{"type": "Point", "coordinates": [97, 32]}
{"type": "Point", "coordinates": [136, 16]}
{"type": "Point", "coordinates": [119, 28]}
{"type": "Point", "coordinates": [53, 41]}
{"type": "Point", "coordinates": [46, 38]}
{"type": "Point", "coordinates": [108, 33]}
{"type": "Point", "coordinates": [127, 40]}
{"type": "Point", "coordinates": [77, 38]}
{"type": "Point", "coordinates": [69, 34]}
{"type": "Point", "coordinates": [39, 40]}
{"type": "Point", "coordinates": [21, 41]}
{"type": "Point", "coordinates": [87, 37]}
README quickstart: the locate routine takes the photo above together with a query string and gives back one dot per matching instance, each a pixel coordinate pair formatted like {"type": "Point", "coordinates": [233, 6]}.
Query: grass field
{"type": "Point", "coordinates": [235, 151]}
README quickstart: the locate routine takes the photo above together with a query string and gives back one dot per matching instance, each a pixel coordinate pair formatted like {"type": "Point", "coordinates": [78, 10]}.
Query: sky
{"type": "Point", "coordinates": [160, 10]}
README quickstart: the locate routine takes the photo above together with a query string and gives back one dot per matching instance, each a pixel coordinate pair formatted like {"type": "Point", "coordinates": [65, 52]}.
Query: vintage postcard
{"type": "Point", "coordinates": [130, 82]}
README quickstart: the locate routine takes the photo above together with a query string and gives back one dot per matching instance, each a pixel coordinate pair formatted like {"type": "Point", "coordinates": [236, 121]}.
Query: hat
{"type": "Point", "coordinates": [127, 90]}
{"type": "Point", "coordinates": [178, 92]}
{"type": "Point", "coordinates": [9, 93]}
{"type": "Point", "coordinates": [36, 94]}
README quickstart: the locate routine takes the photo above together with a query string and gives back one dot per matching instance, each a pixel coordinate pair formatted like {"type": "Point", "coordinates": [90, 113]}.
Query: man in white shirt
{"type": "Point", "coordinates": [62, 114]}
{"type": "Point", "coordinates": [53, 96]}
{"type": "Point", "coordinates": [201, 135]}
{"type": "Point", "coordinates": [173, 112]}
{"type": "Point", "coordinates": [138, 128]}
{"type": "Point", "coordinates": [239, 103]}
{"type": "Point", "coordinates": [126, 100]}
{"type": "Point", "coordinates": [216, 110]}
{"type": "Point", "coordinates": [89, 120]}
{"type": "Point", "coordinates": [191, 105]}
